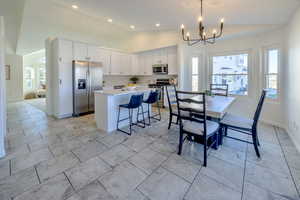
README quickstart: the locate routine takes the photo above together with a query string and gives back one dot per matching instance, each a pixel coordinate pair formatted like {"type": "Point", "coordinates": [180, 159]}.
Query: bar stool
{"type": "Point", "coordinates": [152, 99]}
{"type": "Point", "coordinates": [134, 103]}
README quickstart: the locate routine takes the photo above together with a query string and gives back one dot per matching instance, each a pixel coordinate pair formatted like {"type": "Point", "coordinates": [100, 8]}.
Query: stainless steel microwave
{"type": "Point", "coordinates": [160, 69]}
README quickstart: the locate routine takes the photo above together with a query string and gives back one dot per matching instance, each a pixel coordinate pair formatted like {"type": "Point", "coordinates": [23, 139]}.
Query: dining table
{"type": "Point", "coordinates": [216, 106]}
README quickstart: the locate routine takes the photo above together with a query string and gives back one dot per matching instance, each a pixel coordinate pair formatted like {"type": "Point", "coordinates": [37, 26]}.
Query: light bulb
{"type": "Point", "coordinates": [214, 31]}
{"type": "Point", "coordinates": [204, 34]}
{"type": "Point", "coordinates": [157, 25]}
{"type": "Point", "coordinates": [75, 7]}
{"type": "Point", "coordinates": [188, 34]}
{"type": "Point", "coordinates": [200, 19]}
{"type": "Point", "coordinates": [132, 27]}
{"type": "Point", "coordinates": [182, 26]}
{"type": "Point", "coordinates": [109, 20]}
{"type": "Point", "coordinates": [222, 20]}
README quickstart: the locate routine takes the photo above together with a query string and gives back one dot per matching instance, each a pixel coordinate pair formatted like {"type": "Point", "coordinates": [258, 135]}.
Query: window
{"type": "Point", "coordinates": [42, 75]}
{"type": "Point", "coordinates": [233, 71]}
{"type": "Point", "coordinates": [195, 74]}
{"type": "Point", "coordinates": [29, 76]}
{"type": "Point", "coordinates": [271, 75]}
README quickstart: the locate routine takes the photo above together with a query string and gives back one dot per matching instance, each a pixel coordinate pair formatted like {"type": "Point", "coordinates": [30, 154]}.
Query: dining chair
{"type": "Point", "coordinates": [193, 121]}
{"type": "Point", "coordinates": [244, 125]}
{"type": "Point", "coordinates": [172, 103]}
{"type": "Point", "coordinates": [219, 89]}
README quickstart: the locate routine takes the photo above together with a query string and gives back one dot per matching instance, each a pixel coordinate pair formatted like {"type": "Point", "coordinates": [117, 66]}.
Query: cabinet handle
{"type": "Point", "coordinates": [60, 81]}
{"type": "Point", "coordinates": [60, 59]}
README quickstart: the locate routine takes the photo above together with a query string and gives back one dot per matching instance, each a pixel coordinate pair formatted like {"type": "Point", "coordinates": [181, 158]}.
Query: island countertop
{"type": "Point", "coordinates": [115, 92]}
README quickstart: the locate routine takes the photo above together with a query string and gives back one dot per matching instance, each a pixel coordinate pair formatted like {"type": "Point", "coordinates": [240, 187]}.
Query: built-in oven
{"type": "Point", "coordinates": [160, 69]}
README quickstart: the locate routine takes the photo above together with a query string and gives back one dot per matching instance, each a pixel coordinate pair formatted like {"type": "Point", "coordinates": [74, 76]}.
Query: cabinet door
{"type": "Point", "coordinates": [172, 61]}
{"type": "Point", "coordinates": [105, 59]}
{"type": "Point", "coordinates": [94, 53]}
{"type": "Point", "coordinates": [65, 93]}
{"type": "Point", "coordinates": [80, 51]}
{"type": "Point", "coordinates": [116, 63]}
{"type": "Point", "coordinates": [148, 63]}
{"type": "Point", "coordinates": [135, 67]}
{"type": "Point", "coordinates": [126, 65]}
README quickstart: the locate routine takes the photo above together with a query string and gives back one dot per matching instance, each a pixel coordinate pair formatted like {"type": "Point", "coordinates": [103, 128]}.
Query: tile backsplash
{"type": "Point", "coordinates": [124, 80]}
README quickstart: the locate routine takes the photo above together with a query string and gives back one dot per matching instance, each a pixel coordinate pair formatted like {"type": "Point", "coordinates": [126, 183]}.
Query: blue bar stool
{"type": "Point", "coordinates": [134, 103]}
{"type": "Point", "coordinates": [152, 99]}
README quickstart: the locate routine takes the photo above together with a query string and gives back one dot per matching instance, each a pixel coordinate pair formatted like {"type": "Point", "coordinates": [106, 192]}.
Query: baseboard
{"type": "Point", "coordinates": [277, 124]}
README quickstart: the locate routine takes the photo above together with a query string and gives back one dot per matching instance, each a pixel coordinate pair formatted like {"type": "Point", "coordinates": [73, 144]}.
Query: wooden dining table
{"type": "Point", "coordinates": [216, 106]}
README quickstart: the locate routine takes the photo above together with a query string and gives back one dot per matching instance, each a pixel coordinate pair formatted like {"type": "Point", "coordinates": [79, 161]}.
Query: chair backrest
{"type": "Point", "coordinates": [259, 108]}
{"type": "Point", "coordinates": [136, 101]}
{"type": "Point", "coordinates": [153, 97]}
{"type": "Point", "coordinates": [171, 96]}
{"type": "Point", "coordinates": [191, 106]}
{"type": "Point", "coordinates": [219, 89]}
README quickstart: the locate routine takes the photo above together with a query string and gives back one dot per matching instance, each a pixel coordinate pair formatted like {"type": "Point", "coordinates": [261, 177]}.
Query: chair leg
{"type": "Point", "coordinates": [255, 143]}
{"type": "Point", "coordinates": [225, 130]}
{"type": "Point", "coordinates": [170, 121]}
{"type": "Point", "coordinates": [180, 141]}
{"type": "Point", "coordinates": [216, 138]}
{"type": "Point", "coordinates": [118, 118]}
{"type": "Point", "coordinates": [144, 121]}
{"type": "Point", "coordinates": [205, 152]}
{"type": "Point", "coordinates": [130, 121]}
{"type": "Point", "coordinates": [221, 130]}
{"type": "Point", "coordinates": [159, 113]}
{"type": "Point", "coordinates": [149, 115]}
{"type": "Point", "coordinates": [177, 120]}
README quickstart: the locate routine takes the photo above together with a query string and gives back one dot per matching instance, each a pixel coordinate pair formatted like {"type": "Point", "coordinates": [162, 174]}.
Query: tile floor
{"type": "Point", "coordinates": [71, 159]}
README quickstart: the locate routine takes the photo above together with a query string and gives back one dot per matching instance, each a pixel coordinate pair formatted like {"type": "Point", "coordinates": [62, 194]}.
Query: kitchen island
{"type": "Point", "coordinates": [107, 107]}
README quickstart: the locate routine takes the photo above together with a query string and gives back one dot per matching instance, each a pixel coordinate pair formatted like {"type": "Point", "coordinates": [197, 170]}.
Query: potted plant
{"type": "Point", "coordinates": [134, 79]}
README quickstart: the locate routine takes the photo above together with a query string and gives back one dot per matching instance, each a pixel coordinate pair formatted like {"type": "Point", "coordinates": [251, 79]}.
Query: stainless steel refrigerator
{"type": "Point", "coordinates": [87, 77]}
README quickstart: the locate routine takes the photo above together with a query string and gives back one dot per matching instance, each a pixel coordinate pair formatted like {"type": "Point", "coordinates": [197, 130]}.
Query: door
{"type": "Point", "coordinates": [80, 51]}
{"type": "Point", "coordinates": [96, 82]}
{"type": "Point", "coordinates": [81, 87]}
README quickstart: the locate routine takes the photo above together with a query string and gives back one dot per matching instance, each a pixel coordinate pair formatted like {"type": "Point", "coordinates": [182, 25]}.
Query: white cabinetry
{"type": "Point", "coordinates": [172, 61]}
{"type": "Point", "coordinates": [62, 78]}
{"type": "Point", "coordinates": [120, 64]}
{"type": "Point", "coordinates": [80, 51]}
{"type": "Point", "coordinates": [160, 56]}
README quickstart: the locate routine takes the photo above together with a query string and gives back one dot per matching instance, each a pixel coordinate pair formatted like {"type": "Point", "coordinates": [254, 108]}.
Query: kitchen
{"type": "Point", "coordinates": [153, 69]}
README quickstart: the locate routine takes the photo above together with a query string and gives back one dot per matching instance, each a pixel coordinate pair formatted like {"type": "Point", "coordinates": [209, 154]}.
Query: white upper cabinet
{"type": "Point", "coordinates": [160, 56]}
{"type": "Point", "coordinates": [94, 53]}
{"type": "Point", "coordinates": [172, 61]}
{"type": "Point", "coordinates": [120, 64]}
{"type": "Point", "coordinates": [135, 67]}
{"type": "Point", "coordinates": [80, 51]}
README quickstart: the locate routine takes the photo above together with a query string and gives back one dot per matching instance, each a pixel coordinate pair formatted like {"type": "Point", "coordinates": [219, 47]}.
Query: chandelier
{"type": "Point", "coordinates": [203, 36]}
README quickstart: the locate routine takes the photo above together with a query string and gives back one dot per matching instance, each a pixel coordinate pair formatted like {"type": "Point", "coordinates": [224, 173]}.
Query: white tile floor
{"type": "Point", "coordinates": [71, 159]}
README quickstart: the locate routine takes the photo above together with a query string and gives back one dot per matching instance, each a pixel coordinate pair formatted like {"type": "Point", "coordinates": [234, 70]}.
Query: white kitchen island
{"type": "Point", "coordinates": [107, 107]}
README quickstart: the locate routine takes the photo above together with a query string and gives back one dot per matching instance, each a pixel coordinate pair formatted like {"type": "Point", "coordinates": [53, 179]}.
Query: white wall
{"type": "Point", "coordinates": [14, 86]}
{"type": "Point", "coordinates": [292, 79]}
{"type": "Point", "coordinates": [2, 90]}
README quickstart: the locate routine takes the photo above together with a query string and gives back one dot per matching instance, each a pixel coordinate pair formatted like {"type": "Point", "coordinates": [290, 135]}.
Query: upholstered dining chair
{"type": "Point", "coordinates": [172, 103]}
{"type": "Point", "coordinates": [244, 125]}
{"type": "Point", "coordinates": [193, 122]}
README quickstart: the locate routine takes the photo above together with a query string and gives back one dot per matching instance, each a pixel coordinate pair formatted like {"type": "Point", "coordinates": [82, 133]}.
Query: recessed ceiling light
{"type": "Point", "coordinates": [132, 27]}
{"type": "Point", "coordinates": [109, 20]}
{"type": "Point", "coordinates": [74, 6]}
{"type": "Point", "coordinates": [157, 25]}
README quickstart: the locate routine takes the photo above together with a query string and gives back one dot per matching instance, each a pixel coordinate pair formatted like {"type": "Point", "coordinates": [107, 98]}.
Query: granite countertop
{"type": "Point", "coordinates": [115, 92]}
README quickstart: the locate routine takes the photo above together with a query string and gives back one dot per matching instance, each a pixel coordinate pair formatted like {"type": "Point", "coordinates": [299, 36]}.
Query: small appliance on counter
{"type": "Point", "coordinates": [160, 85]}
{"type": "Point", "coordinates": [160, 69]}
{"type": "Point", "coordinates": [87, 77]}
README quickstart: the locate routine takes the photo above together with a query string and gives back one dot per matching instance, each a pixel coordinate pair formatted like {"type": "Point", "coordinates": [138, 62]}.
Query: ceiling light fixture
{"type": "Point", "coordinates": [109, 20]}
{"type": "Point", "coordinates": [157, 25]}
{"type": "Point", "coordinates": [132, 27]}
{"type": "Point", "coordinates": [74, 6]}
{"type": "Point", "coordinates": [203, 36]}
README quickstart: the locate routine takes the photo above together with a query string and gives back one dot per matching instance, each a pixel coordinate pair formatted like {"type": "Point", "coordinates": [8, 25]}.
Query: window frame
{"type": "Point", "coordinates": [231, 53]}
{"type": "Point", "coordinates": [266, 69]}
{"type": "Point", "coordinates": [192, 75]}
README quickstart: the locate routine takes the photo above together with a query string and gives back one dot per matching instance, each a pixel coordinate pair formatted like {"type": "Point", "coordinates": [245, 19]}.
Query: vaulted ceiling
{"type": "Point", "coordinates": [30, 22]}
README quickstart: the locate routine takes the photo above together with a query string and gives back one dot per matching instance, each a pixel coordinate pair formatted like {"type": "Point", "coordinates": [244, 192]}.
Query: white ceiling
{"type": "Point", "coordinates": [144, 14]}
